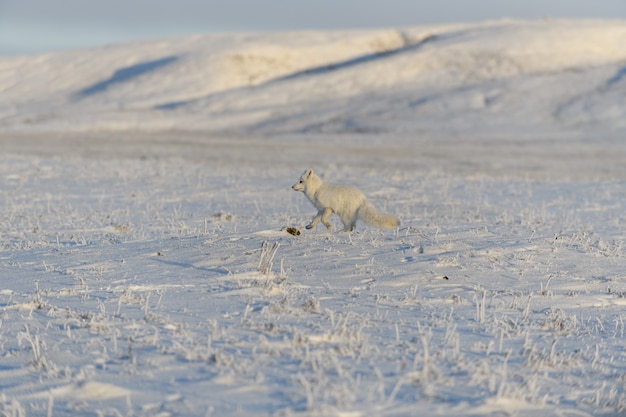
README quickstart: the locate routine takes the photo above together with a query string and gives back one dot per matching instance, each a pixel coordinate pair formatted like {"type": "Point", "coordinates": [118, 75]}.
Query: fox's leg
{"type": "Point", "coordinates": [315, 220]}
{"type": "Point", "coordinates": [348, 223]}
{"type": "Point", "coordinates": [327, 212]}
{"type": "Point", "coordinates": [348, 228]}
{"type": "Point", "coordinates": [321, 215]}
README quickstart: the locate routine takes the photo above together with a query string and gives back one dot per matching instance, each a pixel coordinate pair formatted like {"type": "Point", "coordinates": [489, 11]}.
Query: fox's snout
{"type": "Point", "coordinates": [300, 185]}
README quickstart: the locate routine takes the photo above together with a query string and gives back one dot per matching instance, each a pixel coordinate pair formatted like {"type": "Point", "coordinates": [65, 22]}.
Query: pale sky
{"type": "Point", "coordinates": [33, 26]}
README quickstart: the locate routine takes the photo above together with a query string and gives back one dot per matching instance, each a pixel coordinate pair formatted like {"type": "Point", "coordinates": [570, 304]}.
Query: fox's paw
{"type": "Point", "coordinates": [309, 226]}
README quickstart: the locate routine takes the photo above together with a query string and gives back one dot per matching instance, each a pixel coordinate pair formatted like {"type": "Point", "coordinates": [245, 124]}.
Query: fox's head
{"type": "Point", "coordinates": [306, 177]}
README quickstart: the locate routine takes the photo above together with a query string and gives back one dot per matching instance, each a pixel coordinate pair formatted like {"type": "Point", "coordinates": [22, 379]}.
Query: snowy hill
{"type": "Point", "coordinates": [535, 77]}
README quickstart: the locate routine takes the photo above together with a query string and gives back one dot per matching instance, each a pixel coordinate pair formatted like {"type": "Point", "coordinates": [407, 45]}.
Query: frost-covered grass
{"type": "Point", "coordinates": [167, 286]}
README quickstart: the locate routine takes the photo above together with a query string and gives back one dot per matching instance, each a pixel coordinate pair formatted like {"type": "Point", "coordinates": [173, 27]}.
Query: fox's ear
{"type": "Point", "coordinates": [308, 172]}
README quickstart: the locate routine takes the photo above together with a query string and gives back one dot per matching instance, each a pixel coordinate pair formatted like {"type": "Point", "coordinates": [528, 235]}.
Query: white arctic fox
{"type": "Point", "coordinates": [347, 202]}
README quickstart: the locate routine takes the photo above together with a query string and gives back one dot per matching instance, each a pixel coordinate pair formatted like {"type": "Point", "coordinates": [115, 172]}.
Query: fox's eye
{"type": "Point", "coordinates": [301, 181]}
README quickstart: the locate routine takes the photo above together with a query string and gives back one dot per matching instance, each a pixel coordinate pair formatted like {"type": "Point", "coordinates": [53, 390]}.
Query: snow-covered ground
{"type": "Point", "coordinates": [145, 190]}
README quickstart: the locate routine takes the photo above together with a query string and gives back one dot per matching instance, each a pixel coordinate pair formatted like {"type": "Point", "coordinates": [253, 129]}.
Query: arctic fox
{"type": "Point", "coordinates": [347, 202]}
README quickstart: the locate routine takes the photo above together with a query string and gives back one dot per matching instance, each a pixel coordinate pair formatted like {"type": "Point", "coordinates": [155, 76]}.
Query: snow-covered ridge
{"type": "Point", "coordinates": [552, 74]}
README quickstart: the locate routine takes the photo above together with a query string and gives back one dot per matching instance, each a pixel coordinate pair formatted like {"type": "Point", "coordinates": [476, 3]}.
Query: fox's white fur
{"type": "Point", "coordinates": [347, 202]}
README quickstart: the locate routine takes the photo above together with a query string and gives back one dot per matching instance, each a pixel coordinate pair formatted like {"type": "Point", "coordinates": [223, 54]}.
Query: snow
{"type": "Point", "coordinates": [145, 194]}
{"type": "Point", "coordinates": [446, 79]}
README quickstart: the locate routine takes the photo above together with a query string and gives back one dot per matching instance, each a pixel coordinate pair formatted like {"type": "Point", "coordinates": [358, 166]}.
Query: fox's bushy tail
{"type": "Point", "coordinates": [375, 218]}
